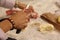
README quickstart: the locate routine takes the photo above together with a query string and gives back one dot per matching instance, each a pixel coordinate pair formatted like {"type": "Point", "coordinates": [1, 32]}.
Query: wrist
{"type": "Point", "coordinates": [5, 25]}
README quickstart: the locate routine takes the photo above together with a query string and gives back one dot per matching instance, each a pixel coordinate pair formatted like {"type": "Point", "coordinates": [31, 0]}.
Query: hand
{"type": "Point", "coordinates": [20, 19]}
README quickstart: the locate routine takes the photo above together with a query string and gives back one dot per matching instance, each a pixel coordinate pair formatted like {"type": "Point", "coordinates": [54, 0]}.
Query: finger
{"type": "Point", "coordinates": [31, 8]}
{"type": "Point", "coordinates": [23, 26]}
{"type": "Point", "coordinates": [21, 5]}
{"type": "Point", "coordinates": [34, 15]}
{"type": "Point", "coordinates": [28, 19]}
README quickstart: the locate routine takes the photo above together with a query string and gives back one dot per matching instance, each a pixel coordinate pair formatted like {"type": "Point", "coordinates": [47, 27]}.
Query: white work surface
{"type": "Point", "coordinates": [31, 33]}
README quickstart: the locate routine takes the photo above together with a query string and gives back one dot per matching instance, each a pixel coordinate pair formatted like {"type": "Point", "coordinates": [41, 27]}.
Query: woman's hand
{"type": "Point", "coordinates": [20, 19]}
